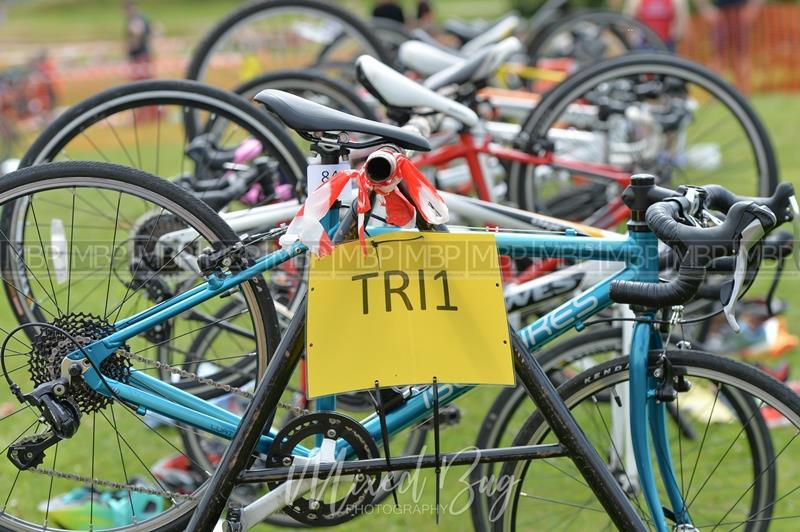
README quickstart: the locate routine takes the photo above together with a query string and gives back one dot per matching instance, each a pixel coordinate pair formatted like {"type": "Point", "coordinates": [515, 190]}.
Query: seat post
{"type": "Point", "coordinates": [330, 154]}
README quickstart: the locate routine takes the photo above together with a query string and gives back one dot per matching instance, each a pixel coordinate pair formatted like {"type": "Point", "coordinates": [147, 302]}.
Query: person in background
{"type": "Point", "coordinates": [667, 18]}
{"type": "Point", "coordinates": [731, 22]}
{"type": "Point", "coordinates": [390, 10]}
{"type": "Point", "coordinates": [138, 34]}
{"type": "Point", "coordinates": [425, 16]}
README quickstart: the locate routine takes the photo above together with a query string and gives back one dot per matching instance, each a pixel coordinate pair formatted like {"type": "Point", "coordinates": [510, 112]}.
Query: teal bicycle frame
{"type": "Point", "coordinates": [638, 252]}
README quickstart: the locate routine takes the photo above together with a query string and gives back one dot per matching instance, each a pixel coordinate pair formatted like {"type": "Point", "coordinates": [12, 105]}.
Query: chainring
{"type": "Point", "coordinates": [334, 426]}
{"type": "Point", "coordinates": [49, 348]}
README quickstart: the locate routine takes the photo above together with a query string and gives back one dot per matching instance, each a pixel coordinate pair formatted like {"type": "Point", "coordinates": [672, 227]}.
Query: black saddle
{"type": "Point", "coordinates": [305, 116]}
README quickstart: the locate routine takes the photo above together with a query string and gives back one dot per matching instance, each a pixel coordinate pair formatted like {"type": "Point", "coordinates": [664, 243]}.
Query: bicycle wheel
{"type": "Point", "coordinates": [87, 218]}
{"type": "Point", "coordinates": [279, 34]}
{"type": "Point", "coordinates": [650, 113]}
{"type": "Point", "coordinates": [591, 35]}
{"type": "Point", "coordinates": [141, 125]}
{"type": "Point", "coordinates": [312, 85]}
{"type": "Point", "coordinates": [743, 480]}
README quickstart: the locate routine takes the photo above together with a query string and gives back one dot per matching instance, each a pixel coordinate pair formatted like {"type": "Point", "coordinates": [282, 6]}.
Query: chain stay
{"type": "Point", "coordinates": [202, 380]}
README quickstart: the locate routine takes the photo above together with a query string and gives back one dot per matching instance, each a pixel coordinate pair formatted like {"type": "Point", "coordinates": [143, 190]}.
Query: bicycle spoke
{"type": "Point", "coordinates": [139, 458]}
{"type": "Point", "coordinates": [702, 441]}
{"type": "Point", "coordinates": [50, 488]}
{"type": "Point", "coordinates": [96, 148]}
{"type": "Point", "coordinates": [111, 265]}
{"type": "Point", "coordinates": [121, 459]}
{"type": "Point", "coordinates": [119, 141]}
{"type": "Point", "coordinates": [11, 490]}
{"type": "Point", "coordinates": [139, 263]}
{"type": "Point", "coordinates": [44, 255]}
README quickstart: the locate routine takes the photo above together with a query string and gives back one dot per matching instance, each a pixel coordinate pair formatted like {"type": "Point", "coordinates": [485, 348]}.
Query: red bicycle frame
{"type": "Point", "coordinates": [468, 149]}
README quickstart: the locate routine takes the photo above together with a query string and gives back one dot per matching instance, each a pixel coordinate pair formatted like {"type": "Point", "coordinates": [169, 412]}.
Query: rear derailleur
{"type": "Point", "coordinates": [59, 411]}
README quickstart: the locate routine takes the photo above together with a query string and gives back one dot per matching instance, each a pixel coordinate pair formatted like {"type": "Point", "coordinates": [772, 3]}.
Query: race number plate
{"type": "Point", "coordinates": [415, 307]}
{"type": "Point", "coordinates": [321, 173]}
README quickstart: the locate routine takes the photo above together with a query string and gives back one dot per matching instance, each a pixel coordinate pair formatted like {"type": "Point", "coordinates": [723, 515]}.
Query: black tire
{"type": "Point", "coordinates": [742, 386]}
{"type": "Point", "coordinates": [50, 176]}
{"type": "Point", "coordinates": [201, 55]}
{"type": "Point", "coordinates": [310, 81]}
{"type": "Point", "coordinates": [154, 92]}
{"type": "Point", "coordinates": [617, 23]}
{"type": "Point", "coordinates": [522, 187]}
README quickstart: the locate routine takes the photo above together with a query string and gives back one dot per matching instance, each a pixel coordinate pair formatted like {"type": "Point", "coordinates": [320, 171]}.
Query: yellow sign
{"type": "Point", "coordinates": [415, 307]}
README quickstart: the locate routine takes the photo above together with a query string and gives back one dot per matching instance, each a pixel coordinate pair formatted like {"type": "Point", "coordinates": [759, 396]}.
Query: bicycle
{"type": "Point", "coordinates": [37, 179]}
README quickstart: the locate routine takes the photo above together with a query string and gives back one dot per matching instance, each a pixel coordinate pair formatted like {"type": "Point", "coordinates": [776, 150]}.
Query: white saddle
{"type": "Point", "coordinates": [393, 89]}
{"type": "Point", "coordinates": [426, 59]}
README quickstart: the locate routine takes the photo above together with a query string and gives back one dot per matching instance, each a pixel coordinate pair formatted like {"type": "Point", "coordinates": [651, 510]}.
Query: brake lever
{"type": "Point", "coordinates": [750, 236]}
{"type": "Point", "coordinates": [795, 227]}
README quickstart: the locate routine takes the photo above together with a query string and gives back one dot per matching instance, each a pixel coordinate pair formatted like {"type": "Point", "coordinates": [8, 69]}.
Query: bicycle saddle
{"type": "Point", "coordinates": [426, 59]}
{"type": "Point", "coordinates": [305, 116]}
{"type": "Point", "coordinates": [480, 67]}
{"type": "Point", "coordinates": [395, 90]}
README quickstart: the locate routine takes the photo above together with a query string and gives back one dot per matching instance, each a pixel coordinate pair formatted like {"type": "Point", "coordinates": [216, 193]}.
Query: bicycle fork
{"type": "Point", "coordinates": [647, 412]}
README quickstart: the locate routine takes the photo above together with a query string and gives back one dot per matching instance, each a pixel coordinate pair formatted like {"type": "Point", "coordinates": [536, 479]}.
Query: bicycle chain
{"type": "Point", "coordinates": [114, 485]}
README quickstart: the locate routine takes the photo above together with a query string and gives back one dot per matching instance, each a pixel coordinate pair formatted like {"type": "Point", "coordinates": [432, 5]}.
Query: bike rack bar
{"type": "Point", "coordinates": [402, 463]}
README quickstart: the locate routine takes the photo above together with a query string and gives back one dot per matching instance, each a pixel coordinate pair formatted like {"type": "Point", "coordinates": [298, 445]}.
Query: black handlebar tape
{"type": "Point", "coordinates": [719, 241]}
{"type": "Point", "coordinates": [709, 291]}
{"type": "Point", "coordinates": [722, 199]}
{"type": "Point", "coordinates": [702, 245]}
{"type": "Point", "coordinates": [655, 295]}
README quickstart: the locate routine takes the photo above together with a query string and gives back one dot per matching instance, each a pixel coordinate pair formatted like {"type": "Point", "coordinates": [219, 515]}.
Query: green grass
{"type": "Point", "coordinates": [60, 21]}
